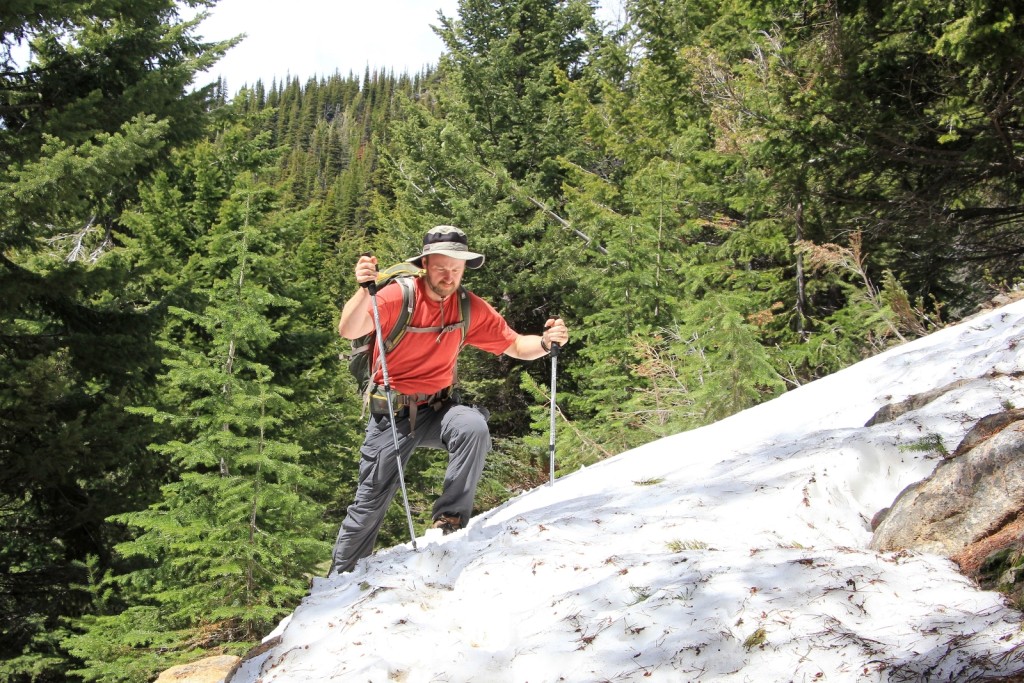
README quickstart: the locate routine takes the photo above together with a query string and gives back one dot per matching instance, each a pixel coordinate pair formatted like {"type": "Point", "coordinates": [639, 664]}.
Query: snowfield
{"type": "Point", "coordinates": [735, 552]}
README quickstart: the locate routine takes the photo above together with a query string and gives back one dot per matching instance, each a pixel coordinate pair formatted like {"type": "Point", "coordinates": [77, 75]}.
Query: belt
{"type": "Point", "coordinates": [406, 404]}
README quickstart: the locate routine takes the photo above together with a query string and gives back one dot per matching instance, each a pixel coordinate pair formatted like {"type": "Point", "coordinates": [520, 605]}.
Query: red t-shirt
{"type": "Point", "coordinates": [424, 362]}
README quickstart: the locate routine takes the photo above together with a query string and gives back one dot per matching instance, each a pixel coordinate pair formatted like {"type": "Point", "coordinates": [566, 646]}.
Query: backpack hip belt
{"type": "Point", "coordinates": [378, 402]}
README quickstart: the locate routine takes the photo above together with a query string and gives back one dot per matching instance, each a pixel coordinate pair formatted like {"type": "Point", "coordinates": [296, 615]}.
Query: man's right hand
{"type": "Point", "coordinates": [366, 269]}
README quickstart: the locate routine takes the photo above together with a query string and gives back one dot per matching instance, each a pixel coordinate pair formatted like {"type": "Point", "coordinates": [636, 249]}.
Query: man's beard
{"type": "Point", "coordinates": [443, 291]}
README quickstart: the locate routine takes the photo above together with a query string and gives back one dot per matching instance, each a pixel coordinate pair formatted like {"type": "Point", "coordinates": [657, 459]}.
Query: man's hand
{"type": "Point", "coordinates": [366, 269]}
{"type": "Point", "coordinates": [355, 321]}
{"type": "Point", "coordinates": [555, 333]}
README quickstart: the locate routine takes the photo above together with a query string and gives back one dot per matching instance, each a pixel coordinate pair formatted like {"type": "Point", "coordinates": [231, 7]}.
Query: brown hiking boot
{"type": "Point", "coordinates": [448, 522]}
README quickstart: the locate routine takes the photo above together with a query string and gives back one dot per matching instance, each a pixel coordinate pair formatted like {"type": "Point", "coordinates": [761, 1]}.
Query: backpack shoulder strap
{"type": "Point", "coordinates": [408, 285]}
{"type": "Point", "coordinates": [463, 323]}
{"type": "Point", "coordinates": [464, 306]}
{"type": "Point", "coordinates": [397, 332]}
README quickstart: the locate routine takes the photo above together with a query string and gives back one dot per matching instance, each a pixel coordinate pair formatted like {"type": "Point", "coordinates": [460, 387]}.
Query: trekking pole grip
{"type": "Point", "coordinates": [369, 284]}
{"type": "Point", "coordinates": [555, 346]}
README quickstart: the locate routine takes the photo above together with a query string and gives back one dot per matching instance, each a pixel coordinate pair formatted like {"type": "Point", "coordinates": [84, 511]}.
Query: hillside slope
{"type": "Point", "coordinates": [735, 552]}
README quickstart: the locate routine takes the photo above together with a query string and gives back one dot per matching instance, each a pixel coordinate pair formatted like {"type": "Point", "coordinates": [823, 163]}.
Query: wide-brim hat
{"type": "Point", "coordinates": [448, 240]}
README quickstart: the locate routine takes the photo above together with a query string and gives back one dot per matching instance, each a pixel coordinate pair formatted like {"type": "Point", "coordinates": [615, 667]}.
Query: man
{"type": "Point", "coordinates": [421, 371]}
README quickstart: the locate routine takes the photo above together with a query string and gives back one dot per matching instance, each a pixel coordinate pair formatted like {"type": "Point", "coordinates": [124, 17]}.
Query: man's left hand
{"type": "Point", "coordinates": [556, 332]}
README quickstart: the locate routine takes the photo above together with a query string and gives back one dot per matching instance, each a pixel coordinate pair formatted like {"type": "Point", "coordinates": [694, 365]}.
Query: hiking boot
{"type": "Point", "coordinates": [448, 522]}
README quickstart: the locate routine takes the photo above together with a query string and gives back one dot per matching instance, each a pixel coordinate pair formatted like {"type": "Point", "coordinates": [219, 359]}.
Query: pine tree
{"type": "Point", "coordinates": [237, 532]}
{"type": "Point", "coordinates": [692, 199]}
{"type": "Point", "coordinates": [484, 152]}
{"type": "Point", "coordinates": [932, 90]}
{"type": "Point", "coordinates": [93, 112]}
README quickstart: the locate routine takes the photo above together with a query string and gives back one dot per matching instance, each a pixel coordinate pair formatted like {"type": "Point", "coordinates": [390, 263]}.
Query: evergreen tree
{"type": "Point", "coordinates": [720, 198]}
{"type": "Point", "coordinates": [683, 226]}
{"type": "Point", "coordinates": [484, 152]}
{"type": "Point", "coordinates": [94, 110]}
{"type": "Point", "coordinates": [236, 534]}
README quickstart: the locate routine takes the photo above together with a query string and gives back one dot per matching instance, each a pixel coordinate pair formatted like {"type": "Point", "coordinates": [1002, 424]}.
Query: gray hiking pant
{"type": "Point", "coordinates": [461, 430]}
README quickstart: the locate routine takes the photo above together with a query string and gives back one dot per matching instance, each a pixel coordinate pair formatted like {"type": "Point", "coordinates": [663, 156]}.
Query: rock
{"type": "Point", "coordinates": [890, 412]}
{"type": "Point", "coordinates": [266, 646]}
{"type": "Point", "coordinates": [209, 670]}
{"type": "Point", "coordinates": [966, 499]}
{"type": "Point", "coordinates": [999, 300]}
{"type": "Point", "coordinates": [972, 558]}
{"type": "Point", "coordinates": [985, 428]}
{"type": "Point", "coordinates": [878, 517]}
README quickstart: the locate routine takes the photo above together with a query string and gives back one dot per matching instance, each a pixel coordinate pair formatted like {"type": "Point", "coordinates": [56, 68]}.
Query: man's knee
{"type": "Point", "coordinates": [468, 426]}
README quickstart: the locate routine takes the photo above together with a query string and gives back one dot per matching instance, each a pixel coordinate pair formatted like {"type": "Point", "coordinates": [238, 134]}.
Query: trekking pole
{"type": "Point", "coordinates": [551, 442]}
{"type": "Point", "coordinates": [372, 286]}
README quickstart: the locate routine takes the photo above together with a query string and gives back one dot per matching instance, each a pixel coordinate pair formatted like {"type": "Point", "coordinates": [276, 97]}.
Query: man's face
{"type": "Point", "coordinates": [444, 274]}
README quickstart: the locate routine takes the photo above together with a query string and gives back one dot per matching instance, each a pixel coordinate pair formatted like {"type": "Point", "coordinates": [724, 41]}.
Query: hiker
{"type": "Point", "coordinates": [421, 370]}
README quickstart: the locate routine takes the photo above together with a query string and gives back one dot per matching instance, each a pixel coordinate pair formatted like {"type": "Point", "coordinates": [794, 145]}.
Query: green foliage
{"type": "Point", "coordinates": [731, 370]}
{"type": "Point", "coordinates": [873, 317]}
{"type": "Point", "coordinates": [129, 647]}
{"type": "Point", "coordinates": [483, 152]}
{"type": "Point", "coordinates": [756, 639]}
{"type": "Point", "coordinates": [91, 114]}
{"type": "Point", "coordinates": [678, 546]}
{"type": "Point", "coordinates": [722, 199]}
{"type": "Point", "coordinates": [932, 443]}
{"type": "Point", "coordinates": [575, 446]}
{"type": "Point", "coordinates": [933, 99]}
{"type": "Point", "coordinates": [507, 59]}
{"type": "Point", "coordinates": [42, 657]}
{"type": "Point", "coordinates": [227, 550]}
{"type": "Point", "coordinates": [1001, 570]}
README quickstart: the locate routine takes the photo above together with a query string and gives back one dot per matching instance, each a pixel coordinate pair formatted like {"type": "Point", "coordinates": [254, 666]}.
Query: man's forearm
{"type": "Point", "coordinates": [526, 347]}
{"type": "Point", "coordinates": [355, 320]}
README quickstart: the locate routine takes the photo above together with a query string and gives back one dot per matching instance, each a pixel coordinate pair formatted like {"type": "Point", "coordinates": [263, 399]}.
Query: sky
{"type": "Point", "coordinates": [738, 552]}
{"type": "Point", "coordinates": [308, 38]}
{"type": "Point", "coordinates": [312, 38]}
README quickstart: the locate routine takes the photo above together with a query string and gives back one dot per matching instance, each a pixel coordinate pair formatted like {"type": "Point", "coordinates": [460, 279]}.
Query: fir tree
{"type": "Point", "coordinates": [236, 533]}
{"type": "Point", "coordinates": [93, 111]}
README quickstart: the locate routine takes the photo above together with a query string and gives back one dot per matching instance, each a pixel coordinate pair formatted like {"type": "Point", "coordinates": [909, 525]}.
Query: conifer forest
{"type": "Point", "coordinates": [724, 199]}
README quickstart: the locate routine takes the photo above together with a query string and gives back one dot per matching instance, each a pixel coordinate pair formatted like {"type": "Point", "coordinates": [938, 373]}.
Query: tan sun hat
{"type": "Point", "coordinates": [448, 240]}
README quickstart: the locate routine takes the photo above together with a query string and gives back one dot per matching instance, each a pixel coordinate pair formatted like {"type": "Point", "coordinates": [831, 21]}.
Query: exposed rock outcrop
{"type": "Point", "coordinates": [210, 670]}
{"type": "Point", "coordinates": [986, 428]}
{"type": "Point", "coordinates": [974, 496]}
{"type": "Point", "coordinates": [892, 411]}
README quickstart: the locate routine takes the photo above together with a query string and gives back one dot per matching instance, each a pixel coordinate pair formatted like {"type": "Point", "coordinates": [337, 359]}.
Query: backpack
{"type": "Point", "coordinates": [400, 275]}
